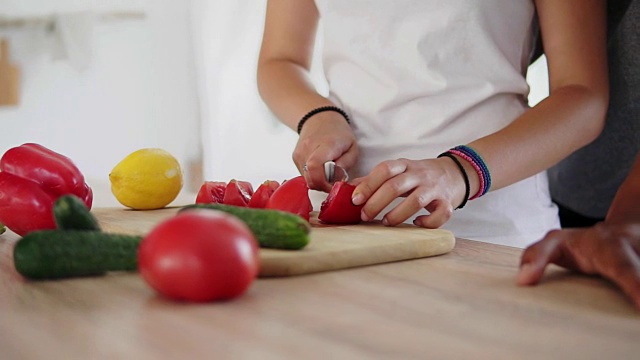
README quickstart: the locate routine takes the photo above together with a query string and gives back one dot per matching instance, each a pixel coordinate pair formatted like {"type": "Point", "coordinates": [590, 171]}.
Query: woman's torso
{"type": "Point", "coordinates": [421, 76]}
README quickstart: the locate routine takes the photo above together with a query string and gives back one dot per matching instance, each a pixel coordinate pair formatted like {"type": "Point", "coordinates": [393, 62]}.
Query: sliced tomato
{"type": "Point", "coordinates": [337, 208]}
{"type": "Point", "coordinates": [211, 192]}
{"type": "Point", "coordinates": [237, 193]}
{"type": "Point", "coordinates": [260, 198]}
{"type": "Point", "coordinates": [292, 196]}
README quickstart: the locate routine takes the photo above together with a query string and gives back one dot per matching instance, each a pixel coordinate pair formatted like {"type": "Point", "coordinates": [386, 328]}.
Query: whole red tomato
{"type": "Point", "coordinates": [292, 196]}
{"type": "Point", "coordinates": [199, 255]}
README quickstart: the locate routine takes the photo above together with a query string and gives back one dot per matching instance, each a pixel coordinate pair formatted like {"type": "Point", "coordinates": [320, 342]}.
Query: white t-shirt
{"type": "Point", "coordinates": [421, 76]}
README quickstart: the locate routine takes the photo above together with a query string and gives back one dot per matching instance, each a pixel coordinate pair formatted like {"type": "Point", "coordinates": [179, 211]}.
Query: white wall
{"type": "Point", "coordinates": [241, 138]}
{"type": "Point", "coordinates": [139, 91]}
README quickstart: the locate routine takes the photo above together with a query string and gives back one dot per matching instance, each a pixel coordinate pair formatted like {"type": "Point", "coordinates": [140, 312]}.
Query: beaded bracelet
{"type": "Point", "coordinates": [475, 167]}
{"type": "Point", "coordinates": [319, 110]}
{"type": "Point", "coordinates": [478, 165]}
{"type": "Point", "coordinates": [464, 176]}
{"type": "Point", "coordinates": [486, 174]}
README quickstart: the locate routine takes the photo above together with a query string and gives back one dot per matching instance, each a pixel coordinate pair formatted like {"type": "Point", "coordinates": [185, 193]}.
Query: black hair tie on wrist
{"type": "Point", "coordinates": [319, 110]}
{"type": "Point", "coordinates": [464, 175]}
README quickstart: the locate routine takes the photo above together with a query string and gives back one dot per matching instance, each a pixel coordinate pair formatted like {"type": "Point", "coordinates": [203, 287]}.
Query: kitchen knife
{"type": "Point", "coordinates": [334, 173]}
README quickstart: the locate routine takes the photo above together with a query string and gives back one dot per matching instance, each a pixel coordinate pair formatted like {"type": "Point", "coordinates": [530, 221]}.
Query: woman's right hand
{"type": "Point", "coordinates": [324, 137]}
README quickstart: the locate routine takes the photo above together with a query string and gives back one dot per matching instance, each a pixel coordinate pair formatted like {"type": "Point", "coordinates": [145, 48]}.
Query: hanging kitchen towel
{"type": "Point", "coordinates": [73, 38]}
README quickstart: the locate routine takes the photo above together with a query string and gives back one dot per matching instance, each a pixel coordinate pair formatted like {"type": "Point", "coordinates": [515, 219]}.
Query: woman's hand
{"type": "Point", "coordinates": [432, 184]}
{"type": "Point", "coordinates": [324, 137]}
{"type": "Point", "coordinates": [609, 250]}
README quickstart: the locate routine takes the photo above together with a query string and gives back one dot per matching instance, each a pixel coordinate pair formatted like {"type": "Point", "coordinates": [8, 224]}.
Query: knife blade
{"type": "Point", "coordinates": [334, 173]}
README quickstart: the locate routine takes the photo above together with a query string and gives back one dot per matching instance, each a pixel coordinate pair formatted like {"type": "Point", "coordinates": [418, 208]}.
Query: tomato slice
{"type": "Point", "coordinates": [260, 198]}
{"type": "Point", "coordinates": [337, 208]}
{"type": "Point", "coordinates": [292, 196]}
{"type": "Point", "coordinates": [211, 192]}
{"type": "Point", "coordinates": [237, 193]}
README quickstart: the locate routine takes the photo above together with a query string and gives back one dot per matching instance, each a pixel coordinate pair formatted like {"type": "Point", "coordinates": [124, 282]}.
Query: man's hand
{"type": "Point", "coordinates": [612, 251]}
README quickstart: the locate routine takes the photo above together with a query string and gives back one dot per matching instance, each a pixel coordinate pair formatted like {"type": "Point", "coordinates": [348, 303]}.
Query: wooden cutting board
{"type": "Point", "coordinates": [330, 248]}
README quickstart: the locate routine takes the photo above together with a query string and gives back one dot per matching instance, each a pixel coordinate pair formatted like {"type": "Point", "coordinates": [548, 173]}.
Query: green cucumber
{"type": "Point", "coordinates": [71, 213]}
{"type": "Point", "coordinates": [272, 228]}
{"type": "Point", "coordinates": [55, 254]}
{"type": "Point", "coordinates": [2, 228]}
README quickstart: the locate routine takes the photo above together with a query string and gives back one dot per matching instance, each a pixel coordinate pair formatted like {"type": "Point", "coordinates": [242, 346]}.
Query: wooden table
{"type": "Point", "coordinates": [460, 305]}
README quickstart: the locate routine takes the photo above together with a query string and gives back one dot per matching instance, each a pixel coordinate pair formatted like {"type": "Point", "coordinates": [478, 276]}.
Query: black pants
{"type": "Point", "coordinates": [571, 219]}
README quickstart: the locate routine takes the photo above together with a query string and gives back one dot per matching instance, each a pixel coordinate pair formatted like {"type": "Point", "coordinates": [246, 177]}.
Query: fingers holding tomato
{"type": "Point", "coordinates": [423, 183]}
{"type": "Point", "coordinates": [199, 255]}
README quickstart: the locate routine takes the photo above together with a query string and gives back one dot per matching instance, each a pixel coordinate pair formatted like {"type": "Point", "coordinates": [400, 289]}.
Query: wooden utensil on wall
{"type": "Point", "coordinates": [9, 77]}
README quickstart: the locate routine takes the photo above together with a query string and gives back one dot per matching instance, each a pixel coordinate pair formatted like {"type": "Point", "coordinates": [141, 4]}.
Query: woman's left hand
{"type": "Point", "coordinates": [432, 184]}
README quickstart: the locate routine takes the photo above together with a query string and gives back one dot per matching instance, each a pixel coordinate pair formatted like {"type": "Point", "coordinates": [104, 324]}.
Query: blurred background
{"type": "Point", "coordinates": [98, 80]}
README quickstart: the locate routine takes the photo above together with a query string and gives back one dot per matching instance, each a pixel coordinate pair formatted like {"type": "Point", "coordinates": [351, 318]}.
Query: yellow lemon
{"type": "Point", "coordinates": [146, 179]}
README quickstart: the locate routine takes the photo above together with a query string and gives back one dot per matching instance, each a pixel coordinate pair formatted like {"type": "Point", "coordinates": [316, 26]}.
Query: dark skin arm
{"type": "Point", "coordinates": [610, 248]}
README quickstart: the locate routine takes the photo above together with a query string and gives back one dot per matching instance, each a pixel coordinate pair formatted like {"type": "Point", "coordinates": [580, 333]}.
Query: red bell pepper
{"type": "Point", "coordinates": [24, 205]}
{"type": "Point", "coordinates": [32, 178]}
{"type": "Point", "coordinates": [54, 172]}
{"type": "Point", "coordinates": [337, 208]}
